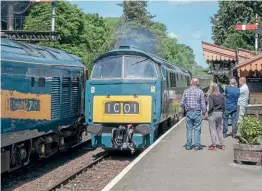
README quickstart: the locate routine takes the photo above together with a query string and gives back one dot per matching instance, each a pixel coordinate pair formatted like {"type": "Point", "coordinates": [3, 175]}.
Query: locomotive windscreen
{"type": "Point", "coordinates": [110, 67]}
{"type": "Point", "coordinates": [128, 67]}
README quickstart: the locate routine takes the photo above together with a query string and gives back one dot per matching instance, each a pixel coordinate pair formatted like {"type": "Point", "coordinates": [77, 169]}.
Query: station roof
{"type": "Point", "coordinates": [212, 52]}
{"type": "Point", "coordinates": [254, 63]}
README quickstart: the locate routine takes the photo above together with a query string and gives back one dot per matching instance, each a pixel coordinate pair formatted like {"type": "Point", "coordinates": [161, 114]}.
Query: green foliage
{"type": "Point", "coordinates": [135, 13]}
{"type": "Point", "coordinates": [250, 129]}
{"type": "Point", "coordinates": [89, 35]}
{"type": "Point", "coordinates": [199, 70]}
{"type": "Point", "coordinates": [85, 35]}
{"type": "Point", "coordinates": [179, 54]}
{"type": "Point", "coordinates": [137, 28]}
{"type": "Point", "coordinates": [230, 14]}
{"type": "Point", "coordinates": [69, 21]}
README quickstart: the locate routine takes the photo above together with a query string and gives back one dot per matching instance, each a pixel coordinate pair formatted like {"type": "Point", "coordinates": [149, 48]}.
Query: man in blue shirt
{"type": "Point", "coordinates": [232, 93]}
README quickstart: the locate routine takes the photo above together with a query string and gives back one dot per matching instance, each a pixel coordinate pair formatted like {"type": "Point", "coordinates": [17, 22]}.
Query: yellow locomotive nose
{"type": "Point", "coordinates": [122, 109]}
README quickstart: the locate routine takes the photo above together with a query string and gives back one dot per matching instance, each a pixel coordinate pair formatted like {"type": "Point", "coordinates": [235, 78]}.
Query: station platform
{"type": "Point", "coordinates": [168, 166]}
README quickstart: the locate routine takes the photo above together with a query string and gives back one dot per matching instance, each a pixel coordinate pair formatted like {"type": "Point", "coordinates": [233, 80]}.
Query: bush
{"type": "Point", "coordinates": [250, 128]}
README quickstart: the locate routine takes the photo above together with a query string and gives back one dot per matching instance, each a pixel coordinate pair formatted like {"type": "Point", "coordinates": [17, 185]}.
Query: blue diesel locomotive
{"type": "Point", "coordinates": [42, 98]}
{"type": "Point", "coordinates": [131, 97]}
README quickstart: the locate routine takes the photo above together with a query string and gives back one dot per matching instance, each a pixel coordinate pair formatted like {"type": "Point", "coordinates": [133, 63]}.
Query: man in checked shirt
{"type": "Point", "coordinates": [193, 102]}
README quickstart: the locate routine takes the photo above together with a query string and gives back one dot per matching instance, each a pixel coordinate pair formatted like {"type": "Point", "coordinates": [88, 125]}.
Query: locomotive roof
{"type": "Point", "coordinates": [133, 51]}
{"type": "Point", "coordinates": [31, 53]}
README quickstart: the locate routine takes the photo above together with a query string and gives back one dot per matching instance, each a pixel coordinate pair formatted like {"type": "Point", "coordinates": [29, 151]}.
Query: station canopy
{"type": "Point", "coordinates": [251, 67]}
{"type": "Point", "coordinates": [214, 53]}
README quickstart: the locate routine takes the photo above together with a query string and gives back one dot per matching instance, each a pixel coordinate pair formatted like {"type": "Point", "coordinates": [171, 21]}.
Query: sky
{"type": "Point", "coordinates": [188, 21]}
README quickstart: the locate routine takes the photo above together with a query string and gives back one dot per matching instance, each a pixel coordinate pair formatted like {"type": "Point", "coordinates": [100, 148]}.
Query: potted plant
{"type": "Point", "coordinates": [249, 148]}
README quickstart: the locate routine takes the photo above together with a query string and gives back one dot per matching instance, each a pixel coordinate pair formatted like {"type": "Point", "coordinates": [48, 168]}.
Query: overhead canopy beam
{"type": "Point", "coordinates": [30, 36]}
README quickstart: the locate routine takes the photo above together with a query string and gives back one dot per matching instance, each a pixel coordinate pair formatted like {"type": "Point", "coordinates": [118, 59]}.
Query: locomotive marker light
{"type": "Point", "coordinates": [153, 89]}
{"type": "Point", "coordinates": [92, 89]}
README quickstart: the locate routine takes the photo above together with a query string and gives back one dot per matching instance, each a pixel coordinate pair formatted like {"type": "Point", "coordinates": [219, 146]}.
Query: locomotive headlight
{"type": "Point", "coordinates": [42, 148]}
{"type": "Point", "coordinates": [62, 141]}
{"type": "Point", "coordinates": [144, 129]}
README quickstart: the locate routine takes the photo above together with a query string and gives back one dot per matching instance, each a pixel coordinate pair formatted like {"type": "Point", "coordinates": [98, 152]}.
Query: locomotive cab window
{"type": "Point", "coordinates": [173, 80]}
{"type": "Point", "coordinates": [163, 72]}
{"type": "Point", "coordinates": [41, 82]}
{"type": "Point", "coordinates": [108, 68]}
{"type": "Point", "coordinates": [159, 71]}
{"type": "Point", "coordinates": [138, 67]}
{"type": "Point", "coordinates": [188, 81]}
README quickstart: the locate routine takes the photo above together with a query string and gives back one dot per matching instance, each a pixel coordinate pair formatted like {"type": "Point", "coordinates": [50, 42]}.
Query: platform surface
{"type": "Point", "coordinates": [168, 166]}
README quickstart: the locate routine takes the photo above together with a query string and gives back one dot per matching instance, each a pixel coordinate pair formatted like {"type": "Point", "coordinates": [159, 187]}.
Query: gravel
{"type": "Point", "coordinates": [45, 173]}
{"type": "Point", "coordinates": [99, 176]}
{"type": "Point", "coordinates": [41, 175]}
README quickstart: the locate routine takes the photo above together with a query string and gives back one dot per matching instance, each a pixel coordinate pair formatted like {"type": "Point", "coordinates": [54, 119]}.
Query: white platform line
{"type": "Point", "coordinates": [111, 184]}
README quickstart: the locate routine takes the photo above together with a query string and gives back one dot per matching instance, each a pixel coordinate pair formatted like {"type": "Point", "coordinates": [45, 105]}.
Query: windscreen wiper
{"type": "Point", "coordinates": [139, 61]}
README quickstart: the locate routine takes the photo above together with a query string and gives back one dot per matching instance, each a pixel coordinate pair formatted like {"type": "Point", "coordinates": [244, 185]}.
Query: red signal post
{"type": "Point", "coordinates": [246, 27]}
{"type": "Point", "coordinates": [250, 27]}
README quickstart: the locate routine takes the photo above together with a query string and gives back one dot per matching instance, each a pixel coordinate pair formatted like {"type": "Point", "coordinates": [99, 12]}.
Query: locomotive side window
{"type": "Point", "coordinates": [86, 74]}
{"type": "Point", "coordinates": [167, 78]}
{"type": "Point", "coordinates": [41, 82]}
{"type": "Point", "coordinates": [188, 81]}
{"type": "Point", "coordinates": [108, 68]}
{"type": "Point", "coordinates": [159, 71]}
{"type": "Point", "coordinates": [163, 72]}
{"type": "Point", "coordinates": [32, 81]}
{"type": "Point", "coordinates": [172, 80]}
{"type": "Point", "coordinates": [138, 67]}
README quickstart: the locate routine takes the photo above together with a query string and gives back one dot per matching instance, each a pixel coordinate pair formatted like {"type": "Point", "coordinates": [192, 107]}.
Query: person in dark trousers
{"type": "Point", "coordinates": [232, 93]}
{"type": "Point", "coordinates": [193, 102]}
{"type": "Point", "coordinates": [216, 107]}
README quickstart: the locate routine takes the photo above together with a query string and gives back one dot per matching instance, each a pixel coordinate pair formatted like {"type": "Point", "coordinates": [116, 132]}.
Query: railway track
{"type": "Point", "coordinates": [79, 171]}
{"type": "Point", "coordinates": [39, 168]}
{"type": "Point", "coordinates": [99, 175]}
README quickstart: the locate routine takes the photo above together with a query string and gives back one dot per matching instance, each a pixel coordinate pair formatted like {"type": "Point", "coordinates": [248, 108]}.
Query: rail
{"type": "Point", "coordinates": [74, 174]}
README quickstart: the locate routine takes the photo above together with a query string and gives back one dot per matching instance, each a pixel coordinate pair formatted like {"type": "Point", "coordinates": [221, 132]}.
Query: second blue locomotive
{"type": "Point", "coordinates": [131, 97]}
{"type": "Point", "coordinates": [42, 102]}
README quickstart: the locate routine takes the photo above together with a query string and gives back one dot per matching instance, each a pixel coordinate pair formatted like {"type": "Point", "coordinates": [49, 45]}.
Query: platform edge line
{"type": "Point", "coordinates": [113, 182]}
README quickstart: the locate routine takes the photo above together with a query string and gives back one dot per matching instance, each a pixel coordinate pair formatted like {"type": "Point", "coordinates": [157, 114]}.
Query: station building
{"type": "Point", "coordinates": [228, 63]}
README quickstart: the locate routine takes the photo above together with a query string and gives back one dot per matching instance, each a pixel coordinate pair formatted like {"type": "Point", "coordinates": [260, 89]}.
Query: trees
{"type": "Point", "coordinates": [230, 14]}
{"type": "Point", "coordinates": [85, 35]}
{"type": "Point", "coordinates": [134, 12]}
{"type": "Point", "coordinates": [137, 29]}
{"type": "Point", "coordinates": [89, 35]}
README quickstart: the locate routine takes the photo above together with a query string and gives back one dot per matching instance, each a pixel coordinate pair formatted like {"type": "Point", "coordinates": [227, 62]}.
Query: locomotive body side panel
{"type": "Point", "coordinates": [41, 98]}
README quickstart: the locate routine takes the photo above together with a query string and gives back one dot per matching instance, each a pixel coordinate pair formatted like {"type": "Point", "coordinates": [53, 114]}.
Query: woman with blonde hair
{"type": "Point", "coordinates": [216, 107]}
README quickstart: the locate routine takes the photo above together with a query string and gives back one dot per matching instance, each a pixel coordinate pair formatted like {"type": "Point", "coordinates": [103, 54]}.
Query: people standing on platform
{"type": "Point", "coordinates": [243, 99]}
{"type": "Point", "coordinates": [193, 102]}
{"type": "Point", "coordinates": [216, 107]}
{"type": "Point", "coordinates": [232, 94]}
